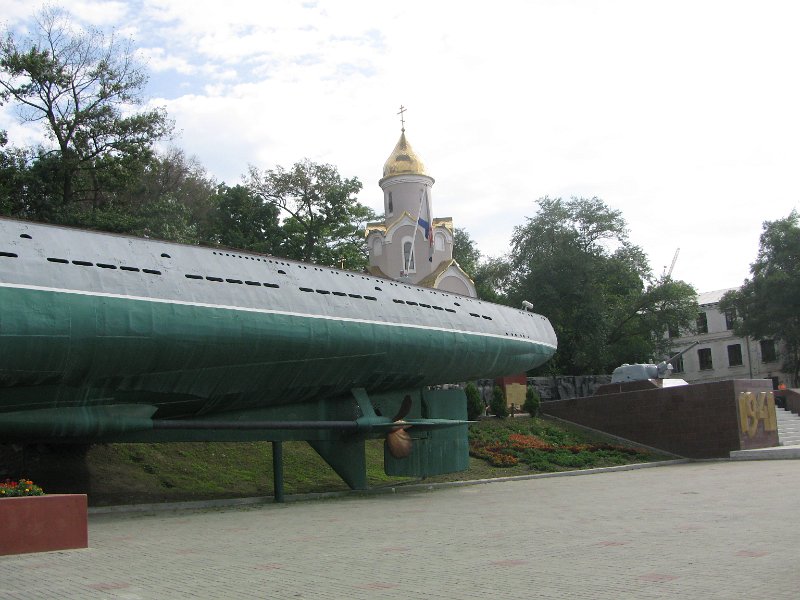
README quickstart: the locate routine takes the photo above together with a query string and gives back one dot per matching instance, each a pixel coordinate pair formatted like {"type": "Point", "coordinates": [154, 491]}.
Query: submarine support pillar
{"type": "Point", "coordinates": [277, 471]}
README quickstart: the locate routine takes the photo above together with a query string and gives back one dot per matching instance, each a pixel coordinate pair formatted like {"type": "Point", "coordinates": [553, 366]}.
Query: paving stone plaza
{"type": "Point", "coordinates": [696, 530]}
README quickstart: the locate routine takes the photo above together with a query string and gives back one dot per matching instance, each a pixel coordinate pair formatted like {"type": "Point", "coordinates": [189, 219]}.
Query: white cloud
{"type": "Point", "coordinates": [158, 60]}
{"type": "Point", "coordinates": [99, 14]}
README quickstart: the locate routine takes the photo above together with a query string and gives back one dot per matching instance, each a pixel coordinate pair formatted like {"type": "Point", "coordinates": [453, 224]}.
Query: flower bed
{"type": "Point", "coordinates": [544, 448]}
{"type": "Point", "coordinates": [23, 487]}
{"type": "Point", "coordinates": [33, 522]}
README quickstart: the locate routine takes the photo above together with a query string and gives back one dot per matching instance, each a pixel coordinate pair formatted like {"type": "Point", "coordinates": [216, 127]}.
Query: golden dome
{"type": "Point", "coordinates": [403, 160]}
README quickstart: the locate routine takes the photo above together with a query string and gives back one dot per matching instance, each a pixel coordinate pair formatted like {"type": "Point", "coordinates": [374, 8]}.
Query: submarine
{"type": "Point", "coordinates": [112, 338]}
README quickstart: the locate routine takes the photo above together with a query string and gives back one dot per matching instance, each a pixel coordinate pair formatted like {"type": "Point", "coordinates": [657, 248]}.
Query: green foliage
{"type": "Point", "coordinates": [465, 252]}
{"type": "Point", "coordinates": [498, 405]}
{"type": "Point", "coordinates": [323, 219]}
{"type": "Point", "coordinates": [163, 219]}
{"type": "Point", "coordinates": [490, 275]}
{"type": "Point", "coordinates": [15, 179]}
{"type": "Point", "coordinates": [574, 263]}
{"type": "Point", "coordinates": [475, 405]}
{"type": "Point", "coordinates": [532, 402]}
{"type": "Point", "coordinates": [239, 219]}
{"type": "Point", "coordinates": [493, 279]}
{"type": "Point", "coordinates": [81, 85]}
{"type": "Point", "coordinates": [174, 177]}
{"type": "Point", "coordinates": [15, 489]}
{"type": "Point", "coordinates": [767, 303]}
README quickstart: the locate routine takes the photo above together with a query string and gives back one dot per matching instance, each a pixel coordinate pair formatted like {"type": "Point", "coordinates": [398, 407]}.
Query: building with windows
{"type": "Point", "coordinates": [721, 354]}
{"type": "Point", "coordinates": [410, 244]}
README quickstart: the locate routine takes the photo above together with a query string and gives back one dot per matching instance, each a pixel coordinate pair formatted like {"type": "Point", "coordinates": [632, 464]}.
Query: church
{"type": "Point", "coordinates": [410, 245]}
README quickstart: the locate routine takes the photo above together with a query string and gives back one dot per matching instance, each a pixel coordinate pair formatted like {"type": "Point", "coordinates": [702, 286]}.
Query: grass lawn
{"type": "Point", "coordinates": [146, 473]}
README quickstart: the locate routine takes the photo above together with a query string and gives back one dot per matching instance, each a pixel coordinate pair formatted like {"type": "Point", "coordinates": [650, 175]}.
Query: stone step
{"type": "Point", "coordinates": [780, 452]}
{"type": "Point", "coordinates": [788, 430]}
{"type": "Point", "coordinates": [782, 413]}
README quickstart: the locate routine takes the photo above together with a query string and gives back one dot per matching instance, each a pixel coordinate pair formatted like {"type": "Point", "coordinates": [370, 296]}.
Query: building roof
{"type": "Point", "coordinates": [403, 160]}
{"type": "Point", "coordinates": [712, 297]}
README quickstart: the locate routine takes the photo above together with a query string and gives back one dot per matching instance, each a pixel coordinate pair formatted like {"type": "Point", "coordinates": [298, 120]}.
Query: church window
{"type": "Point", "coordinates": [439, 241]}
{"type": "Point", "coordinates": [408, 256]}
{"type": "Point", "coordinates": [389, 205]}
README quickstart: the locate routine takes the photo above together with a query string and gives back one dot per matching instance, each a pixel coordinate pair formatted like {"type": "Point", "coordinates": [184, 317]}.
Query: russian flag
{"type": "Point", "coordinates": [426, 227]}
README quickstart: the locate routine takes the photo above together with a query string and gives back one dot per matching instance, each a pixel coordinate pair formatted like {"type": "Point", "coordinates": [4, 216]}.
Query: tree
{"type": "Point", "coordinates": [532, 402]}
{"type": "Point", "coordinates": [498, 404]}
{"type": "Point", "coordinates": [767, 305]}
{"type": "Point", "coordinates": [493, 279]}
{"type": "Point", "coordinates": [573, 261]}
{"type": "Point", "coordinates": [324, 220]}
{"type": "Point", "coordinates": [475, 406]}
{"type": "Point", "coordinates": [239, 219]}
{"type": "Point", "coordinates": [465, 251]}
{"type": "Point", "coordinates": [81, 86]}
{"type": "Point", "coordinates": [489, 275]}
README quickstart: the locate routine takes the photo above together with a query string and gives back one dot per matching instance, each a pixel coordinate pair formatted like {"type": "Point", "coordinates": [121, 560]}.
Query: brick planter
{"type": "Point", "coordinates": [43, 523]}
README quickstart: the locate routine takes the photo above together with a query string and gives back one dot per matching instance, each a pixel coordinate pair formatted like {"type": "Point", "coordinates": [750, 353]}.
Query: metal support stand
{"type": "Point", "coordinates": [277, 470]}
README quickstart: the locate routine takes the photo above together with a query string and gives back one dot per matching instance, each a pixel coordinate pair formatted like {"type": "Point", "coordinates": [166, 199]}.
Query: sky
{"type": "Point", "coordinates": [683, 115]}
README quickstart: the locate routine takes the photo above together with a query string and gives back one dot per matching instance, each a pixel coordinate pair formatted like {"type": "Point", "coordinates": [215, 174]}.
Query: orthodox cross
{"type": "Point", "coordinates": [402, 118]}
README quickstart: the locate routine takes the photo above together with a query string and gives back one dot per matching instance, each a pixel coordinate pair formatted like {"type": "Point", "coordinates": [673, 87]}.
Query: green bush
{"type": "Point", "coordinates": [532, 402]}
{"type": "Point", "coordinates": [23, 487]}
{"type": "Point", "coordinates": [498, 405]}
{"type": "Point", "coordinates": [474, 402]}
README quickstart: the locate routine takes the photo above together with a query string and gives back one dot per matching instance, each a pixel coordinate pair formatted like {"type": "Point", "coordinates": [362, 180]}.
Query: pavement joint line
{"type": "Point", "coordinates": [414, 487]}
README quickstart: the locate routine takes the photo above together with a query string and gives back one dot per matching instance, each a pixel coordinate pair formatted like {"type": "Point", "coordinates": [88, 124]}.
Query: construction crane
{"type": "Point", "coordinates": [672, 266]}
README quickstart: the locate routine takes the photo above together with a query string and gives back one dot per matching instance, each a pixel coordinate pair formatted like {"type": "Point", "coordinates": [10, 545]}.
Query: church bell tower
{"type": "Point", "coordinates": [410, 244]}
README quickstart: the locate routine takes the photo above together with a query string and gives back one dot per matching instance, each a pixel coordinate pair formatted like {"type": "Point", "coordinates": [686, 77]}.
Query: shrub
{"type": "Point", "coordinates": [474, 402]}
{"type": "Point", "coordinates": [532, 402]}
{"type": "Point", "coordinates": [498, 405]}
{"type": "Point", "coordinates": [23, 487]}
